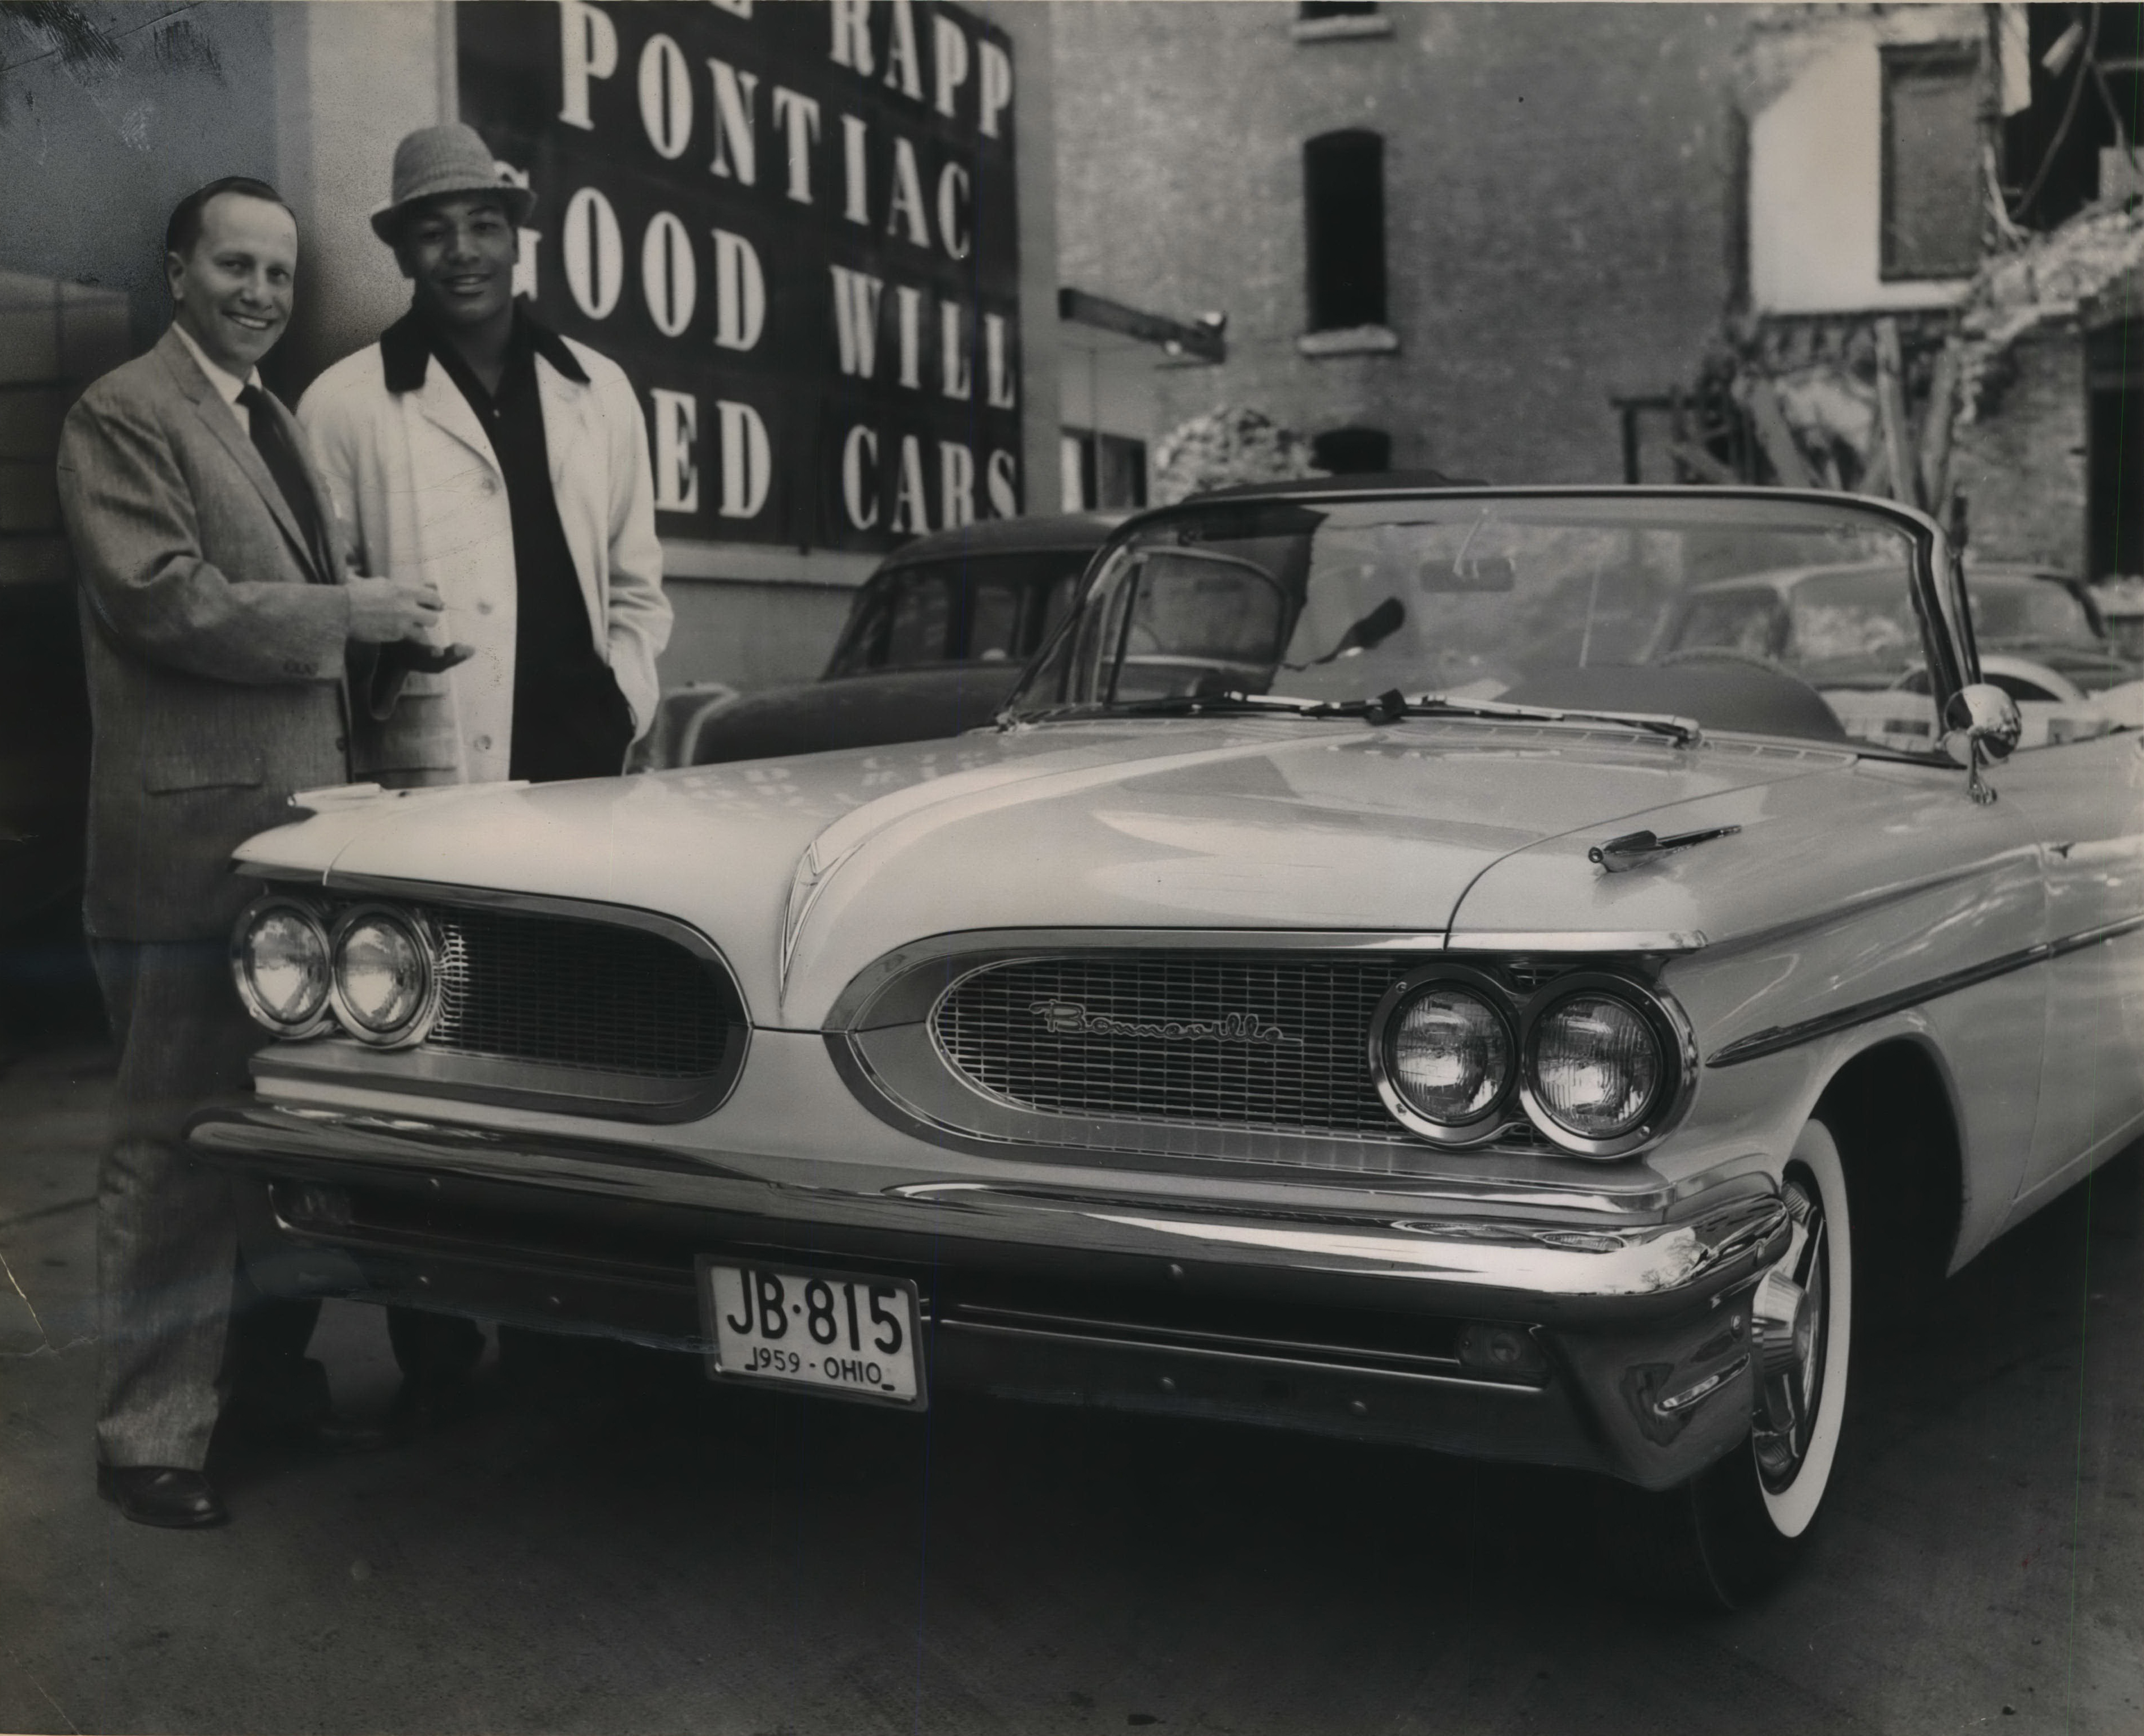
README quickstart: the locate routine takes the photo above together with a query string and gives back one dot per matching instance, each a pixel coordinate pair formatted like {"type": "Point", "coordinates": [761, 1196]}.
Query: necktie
{"type": "Point", "coordinates": [289, 470]}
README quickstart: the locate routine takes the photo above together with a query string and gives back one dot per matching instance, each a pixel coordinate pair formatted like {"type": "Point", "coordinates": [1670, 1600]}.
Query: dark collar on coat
{"type": "Point", "coordinates": [406, 349]}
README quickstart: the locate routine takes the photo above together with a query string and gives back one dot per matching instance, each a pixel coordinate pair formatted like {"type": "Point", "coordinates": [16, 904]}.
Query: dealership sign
{"type": "Point", "coordinates": [792, 224]}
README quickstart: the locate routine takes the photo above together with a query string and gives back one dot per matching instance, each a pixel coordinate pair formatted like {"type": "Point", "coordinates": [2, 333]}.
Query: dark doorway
{"type": "Point", "coordinates": [1353, 451]}
{"type": "Point", "coordinates": [2116, 506]}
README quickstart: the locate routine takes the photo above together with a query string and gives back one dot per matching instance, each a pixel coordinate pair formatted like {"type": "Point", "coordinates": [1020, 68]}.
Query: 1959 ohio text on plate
{"type": "Point", "coordinates": [831, 1332]}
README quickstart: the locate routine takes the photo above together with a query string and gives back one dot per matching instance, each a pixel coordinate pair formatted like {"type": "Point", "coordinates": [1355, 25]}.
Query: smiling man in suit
{"type": "Point", "coordinates": [219, 632]}
{"type": "Point", "coordinates": [475, 449]}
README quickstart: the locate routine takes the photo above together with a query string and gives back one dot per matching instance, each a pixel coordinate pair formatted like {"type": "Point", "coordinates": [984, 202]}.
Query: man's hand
{"type": "Point", "coordinates": [384, 610]}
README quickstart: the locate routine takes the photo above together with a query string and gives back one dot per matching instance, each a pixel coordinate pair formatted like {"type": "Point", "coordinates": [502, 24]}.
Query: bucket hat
{"type": "Point", "coordinates": [452, 159]}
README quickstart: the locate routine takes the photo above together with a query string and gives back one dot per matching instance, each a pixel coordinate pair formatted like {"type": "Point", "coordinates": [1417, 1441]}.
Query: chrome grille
{"type": "Point", "coordinates": [574, 994]}
{"type": "Point", "coordinates": [1269, 1041]}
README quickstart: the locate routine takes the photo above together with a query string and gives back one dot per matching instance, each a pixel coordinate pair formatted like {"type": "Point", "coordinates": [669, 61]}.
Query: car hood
{"type": "Point", "coordinates": [806, 871]}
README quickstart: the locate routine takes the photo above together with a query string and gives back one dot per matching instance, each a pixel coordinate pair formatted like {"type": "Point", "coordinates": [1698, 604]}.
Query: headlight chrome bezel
{"type": "Point", "coordinates": [323, 1017]}
{"type": "Point", "coordinates": [1523, 1011]}
{"type": "Point", "coordinates": [1671, 1030]}
{"type": "Point", "coordinates": [414, 1029]}
{"type": "Point", "coordinates": [1384, 1029]}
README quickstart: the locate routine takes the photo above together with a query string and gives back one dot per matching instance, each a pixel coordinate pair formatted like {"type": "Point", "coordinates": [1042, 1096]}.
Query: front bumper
{"type": "Point", "coordinates": [1635, 1335]}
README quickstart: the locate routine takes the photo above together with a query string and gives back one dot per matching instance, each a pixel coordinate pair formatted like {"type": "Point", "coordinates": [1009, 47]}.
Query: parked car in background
{"type": "Point", "coordinates": [2120, 602]}
{"type": "Point", "coordinates": [1409, 967]}
{"type": "Point", "coordinates": [934, 643]}
{"type": "Point", "coordinates": [2049, 632]}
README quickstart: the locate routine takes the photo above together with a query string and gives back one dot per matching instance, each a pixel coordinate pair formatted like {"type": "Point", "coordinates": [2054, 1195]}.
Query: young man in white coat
{"type": "Point", "coordinates": [507, 466]}
{"type": "Point", "coordinates": [477, 451]}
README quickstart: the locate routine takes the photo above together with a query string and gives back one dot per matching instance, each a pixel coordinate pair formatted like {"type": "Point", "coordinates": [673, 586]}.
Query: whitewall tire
{"type": "Point", "coordinates": [1732, 1531]}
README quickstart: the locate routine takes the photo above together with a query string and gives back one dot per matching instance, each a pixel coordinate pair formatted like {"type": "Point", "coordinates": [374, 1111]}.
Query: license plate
{"type": "Point", "coordinates": [831, 1332]}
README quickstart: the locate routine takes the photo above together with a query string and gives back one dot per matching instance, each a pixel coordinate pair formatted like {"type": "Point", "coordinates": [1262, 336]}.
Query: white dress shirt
{"type": "Point", "coordinates": [228, 385]}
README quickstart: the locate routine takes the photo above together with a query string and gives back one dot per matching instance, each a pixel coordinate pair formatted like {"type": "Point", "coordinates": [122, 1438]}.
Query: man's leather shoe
{"type": "Point", "coordinates": [161, 1495]}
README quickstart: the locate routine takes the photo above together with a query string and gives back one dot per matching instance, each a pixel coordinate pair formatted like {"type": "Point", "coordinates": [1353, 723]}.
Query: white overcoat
{"type": "Point", "coordinates": [422, 496]}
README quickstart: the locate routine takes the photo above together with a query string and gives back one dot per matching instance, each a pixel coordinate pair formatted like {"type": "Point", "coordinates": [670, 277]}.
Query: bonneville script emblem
{"type": "Point", "coordinates": [1069, 1019]}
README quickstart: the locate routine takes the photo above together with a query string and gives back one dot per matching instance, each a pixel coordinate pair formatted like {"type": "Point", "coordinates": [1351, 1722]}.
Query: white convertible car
{"type": "Point", "coordinates": [1516, 971]}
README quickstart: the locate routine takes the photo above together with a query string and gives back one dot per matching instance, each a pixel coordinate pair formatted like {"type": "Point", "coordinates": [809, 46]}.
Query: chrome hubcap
{"type": "Point", "coordinates": [1789, 1310]}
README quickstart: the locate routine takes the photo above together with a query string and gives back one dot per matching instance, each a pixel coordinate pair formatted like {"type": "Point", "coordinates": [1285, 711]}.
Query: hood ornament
{"type": "Point", "coordinates": [1634, 850]}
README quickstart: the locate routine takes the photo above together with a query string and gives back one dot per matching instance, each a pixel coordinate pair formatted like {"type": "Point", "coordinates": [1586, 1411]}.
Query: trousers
{"type": "Point", "coordinates": [166, 1229]}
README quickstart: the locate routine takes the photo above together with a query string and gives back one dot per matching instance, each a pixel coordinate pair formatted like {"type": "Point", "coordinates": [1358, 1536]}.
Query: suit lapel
{"type": "Point", "coordinates": [221, 421]}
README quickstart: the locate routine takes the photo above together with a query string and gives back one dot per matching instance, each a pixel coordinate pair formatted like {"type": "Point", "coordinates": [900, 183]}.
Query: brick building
{"type": "Point", "coordinates": [1545, 243]}
{"type": "Point", "coordinates": [1548, 193]}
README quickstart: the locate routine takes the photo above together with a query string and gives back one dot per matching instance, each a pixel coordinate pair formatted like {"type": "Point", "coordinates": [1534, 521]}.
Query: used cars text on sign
{"type": "Point", "coordinates": [793, 224]}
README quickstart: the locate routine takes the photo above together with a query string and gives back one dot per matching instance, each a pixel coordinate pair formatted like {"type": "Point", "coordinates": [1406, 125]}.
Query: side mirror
{"type": "Point", "coordinates": [1981, 723]}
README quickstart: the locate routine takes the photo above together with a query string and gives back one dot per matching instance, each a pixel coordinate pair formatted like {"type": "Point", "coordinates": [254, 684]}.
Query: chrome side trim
{"type": "Point", "coordinates": [1774, 1039]}
{"type": "Point", "coordinates": [2026, 857]}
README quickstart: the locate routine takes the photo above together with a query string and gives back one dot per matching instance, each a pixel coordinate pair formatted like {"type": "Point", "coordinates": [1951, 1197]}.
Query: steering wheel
{"type": "Point", "coordinates": [1726, 654]}
{"type": "Point", "coordinates": [2020, 678]}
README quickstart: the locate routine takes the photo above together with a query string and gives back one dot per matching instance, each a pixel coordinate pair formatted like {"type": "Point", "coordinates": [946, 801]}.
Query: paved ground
{"type": "Point", "coordinates": [633, 1551]}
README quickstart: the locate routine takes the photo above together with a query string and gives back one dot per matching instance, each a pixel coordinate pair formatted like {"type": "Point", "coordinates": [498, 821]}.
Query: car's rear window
{"type": "Point", "coordinates": [978, 609]}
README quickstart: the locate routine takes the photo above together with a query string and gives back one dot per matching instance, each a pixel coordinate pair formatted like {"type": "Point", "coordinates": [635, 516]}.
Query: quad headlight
{"type": "Point", "coordinates": [279, 959]}
{"type": "Point", "coordinates": [385, 983]}
{"type": "Point", "coordinates": [372, 971]}
{"type": "Point", "coordinates": [1601, 1065]}
{"type": "Point", "coordinates": [1594, 1065]}
{"type": "Point", "coordinates": [1445, 1051]}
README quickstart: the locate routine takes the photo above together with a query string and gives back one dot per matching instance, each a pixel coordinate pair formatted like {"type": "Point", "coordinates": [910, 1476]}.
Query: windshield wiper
{"type": "Point", "coordinates": [1386, 708]}
{"type": "Point", "coordinates": [1390, 706]}
{"type": "Point", "coordinates": [1187, 705]}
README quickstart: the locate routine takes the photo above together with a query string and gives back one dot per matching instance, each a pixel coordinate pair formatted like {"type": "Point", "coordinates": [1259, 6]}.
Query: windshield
{"type": "Point", "coordinates": [1783, 618]}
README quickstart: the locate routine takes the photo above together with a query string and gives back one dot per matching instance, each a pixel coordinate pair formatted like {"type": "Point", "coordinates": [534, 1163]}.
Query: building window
{"type": "Point", "coordinates": [2076, 70]}
{"type": "Point", "coordinates": [1343, 196]}
{"type": "Point", "coordinates": [1353, 451]}
{"type": "Point", "coordinates": [1101, 472]}
{"type": "Point", "coordinates": [1933, 200]}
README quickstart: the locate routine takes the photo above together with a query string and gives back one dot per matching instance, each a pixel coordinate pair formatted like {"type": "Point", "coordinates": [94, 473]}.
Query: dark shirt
{"type": "Point", "coordinates": [570, 718]}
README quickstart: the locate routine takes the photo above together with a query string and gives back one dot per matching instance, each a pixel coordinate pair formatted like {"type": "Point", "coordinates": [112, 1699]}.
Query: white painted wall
{"type": "Point", "coordinates": [1107, 382]}
{"type": "Point", "coordinates": [351, 79]}
{"type": "Point", "coordinates": [1816, 191]}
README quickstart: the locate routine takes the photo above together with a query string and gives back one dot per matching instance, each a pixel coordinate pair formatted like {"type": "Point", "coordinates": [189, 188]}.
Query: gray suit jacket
{"type": "Point", "coordinates": [215, 650]}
